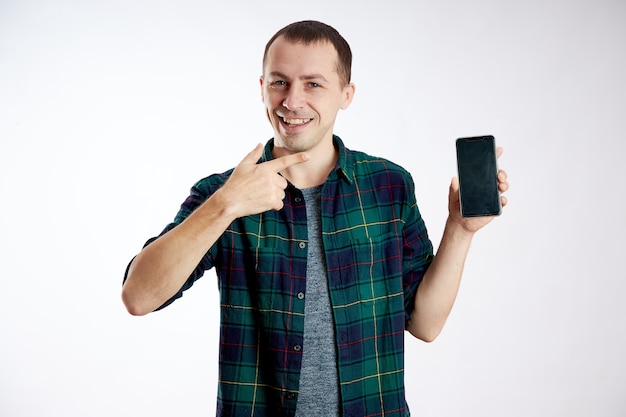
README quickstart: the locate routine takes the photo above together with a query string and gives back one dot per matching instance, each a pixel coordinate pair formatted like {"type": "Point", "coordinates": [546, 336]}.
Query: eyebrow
{"type": "Point", "coordinates": [304, 77]}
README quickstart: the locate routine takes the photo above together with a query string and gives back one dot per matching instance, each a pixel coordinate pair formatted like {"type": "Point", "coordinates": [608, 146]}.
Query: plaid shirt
{"type": "Point", "coordinates": [377, 251]}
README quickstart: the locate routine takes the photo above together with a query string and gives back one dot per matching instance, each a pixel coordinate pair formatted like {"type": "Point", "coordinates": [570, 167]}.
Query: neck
{"type": "Point", "coordinates": [322, 160]}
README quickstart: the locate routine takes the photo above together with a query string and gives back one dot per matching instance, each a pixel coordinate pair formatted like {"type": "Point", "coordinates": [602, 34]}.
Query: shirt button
{"type": "Point", "coordinates": [302, 245]}
{"type": "Point", "coordinates": [300, 296]}
{"type": "Point", "coordinates": [297, 348]}
{"type": "Point", "coordinates": [291, 396]}
{"type": "Point", "coordinates": [297, 199]}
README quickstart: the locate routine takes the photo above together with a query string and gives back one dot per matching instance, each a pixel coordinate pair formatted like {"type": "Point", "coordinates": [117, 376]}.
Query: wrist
{"type": "Point", "coordinates": [457, 229]}
{"type": "Point", "coordinates": [219, 208]}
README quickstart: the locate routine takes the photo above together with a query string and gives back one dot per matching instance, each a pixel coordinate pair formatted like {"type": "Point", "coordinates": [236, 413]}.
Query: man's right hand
{"type": "Point", "coordinates": [254, 188]}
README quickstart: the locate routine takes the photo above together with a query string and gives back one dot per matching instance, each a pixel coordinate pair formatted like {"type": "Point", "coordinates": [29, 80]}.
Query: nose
{"type": "Point", "coordinates": [294, 99]}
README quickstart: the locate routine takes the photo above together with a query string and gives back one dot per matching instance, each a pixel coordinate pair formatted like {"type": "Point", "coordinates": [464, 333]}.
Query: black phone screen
{"type": "Point", "coordinates": [478, 182]}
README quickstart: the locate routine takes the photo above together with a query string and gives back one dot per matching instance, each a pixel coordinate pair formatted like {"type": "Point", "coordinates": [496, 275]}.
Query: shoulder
{"type": "Point", "coordinates": [200, 192]}
{"type": "Point", "coordinates": [367, 165]}
{"type": "Point", "coordinates": [208, 185]}
{"type": "Point", "coordinates": [362, 163]}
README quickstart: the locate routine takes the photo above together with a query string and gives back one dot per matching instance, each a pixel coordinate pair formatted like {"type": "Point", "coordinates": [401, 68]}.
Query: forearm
{"type": "Point", "coordinates": [439, 287]}
{"type": "Point", "coordinates": [162, 267]}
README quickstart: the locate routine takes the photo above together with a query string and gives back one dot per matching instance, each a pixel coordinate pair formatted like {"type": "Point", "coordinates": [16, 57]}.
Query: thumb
{"type": "Point", "coordinates": [454, 184]}
{"type": "Point", "coordinates": [253, 157]}
{"type": "Point", "coordinates": [453, 193]}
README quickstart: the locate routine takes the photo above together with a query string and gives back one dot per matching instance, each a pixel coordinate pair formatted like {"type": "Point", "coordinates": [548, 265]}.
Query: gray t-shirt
{"type": "Point", "coordinates": [319, 388]}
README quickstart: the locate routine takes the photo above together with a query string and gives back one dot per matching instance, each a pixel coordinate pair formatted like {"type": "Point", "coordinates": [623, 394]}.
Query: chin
{"type": "Point", "coordinates": [290, 146]}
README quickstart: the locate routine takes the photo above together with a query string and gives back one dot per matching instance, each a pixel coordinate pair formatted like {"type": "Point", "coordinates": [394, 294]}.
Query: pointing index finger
{"type": "Point", "coordinates": [286, 161]}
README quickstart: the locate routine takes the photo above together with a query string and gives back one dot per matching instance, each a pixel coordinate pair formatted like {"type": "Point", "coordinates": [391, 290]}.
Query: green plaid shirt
{"type": "Point", "coordinates": [377, 250]}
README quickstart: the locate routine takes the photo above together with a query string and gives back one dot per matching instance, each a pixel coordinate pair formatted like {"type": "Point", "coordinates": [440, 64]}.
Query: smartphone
{"type": "Point", "coordinates": [478, 176]}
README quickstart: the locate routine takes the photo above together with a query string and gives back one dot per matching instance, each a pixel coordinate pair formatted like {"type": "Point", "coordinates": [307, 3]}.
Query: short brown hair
{"type": "Point", "coordinates": [310, 31]}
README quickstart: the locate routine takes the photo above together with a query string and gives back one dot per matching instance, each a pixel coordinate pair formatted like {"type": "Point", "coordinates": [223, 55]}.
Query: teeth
{"type": "Point", "coordinates": [295, 121]}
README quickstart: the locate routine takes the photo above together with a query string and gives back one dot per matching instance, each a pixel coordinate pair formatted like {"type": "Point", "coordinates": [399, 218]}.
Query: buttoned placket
{"type": "Point", "coordinates": [299, 248]}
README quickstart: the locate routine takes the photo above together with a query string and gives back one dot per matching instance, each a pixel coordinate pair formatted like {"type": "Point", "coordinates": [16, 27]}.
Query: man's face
{"type": "Point", "coordinates": [302, 93]}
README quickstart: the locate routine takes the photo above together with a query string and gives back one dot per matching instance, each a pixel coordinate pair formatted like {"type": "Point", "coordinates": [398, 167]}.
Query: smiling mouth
{"type": "Point", "coordinates": [295, 122]}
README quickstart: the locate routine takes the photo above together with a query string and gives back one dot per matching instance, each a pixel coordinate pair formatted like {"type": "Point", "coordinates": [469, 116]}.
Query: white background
{"type": "Point", "coordinates": [111, 110]}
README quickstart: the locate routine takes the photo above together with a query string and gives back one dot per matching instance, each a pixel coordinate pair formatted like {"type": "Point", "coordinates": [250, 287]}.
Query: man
{"type": "Point", "coordinates": [322, 258]}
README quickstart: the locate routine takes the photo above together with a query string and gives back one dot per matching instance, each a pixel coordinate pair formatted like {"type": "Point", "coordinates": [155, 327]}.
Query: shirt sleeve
{"type": "Point", "coordinates": [418, 249]}
{"type": "Point", "coordinates": [198, 194]}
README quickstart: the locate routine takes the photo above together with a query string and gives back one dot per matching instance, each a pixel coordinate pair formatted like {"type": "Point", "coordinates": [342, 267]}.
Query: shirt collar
{"type": "Point", "coordinates": [342, 169]}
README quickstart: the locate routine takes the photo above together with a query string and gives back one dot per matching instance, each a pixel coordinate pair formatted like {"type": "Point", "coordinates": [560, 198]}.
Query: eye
{"type": "Point", "coordinates": [314, 85]}
{"type": "Point", "coordinates": [278, 83]}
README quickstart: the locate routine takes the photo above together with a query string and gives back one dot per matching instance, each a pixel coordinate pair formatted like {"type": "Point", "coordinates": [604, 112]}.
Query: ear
{"type": "Point", "coordinates": [262, 93]}
{"type": "Point", "coordinates": [348, 95]}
